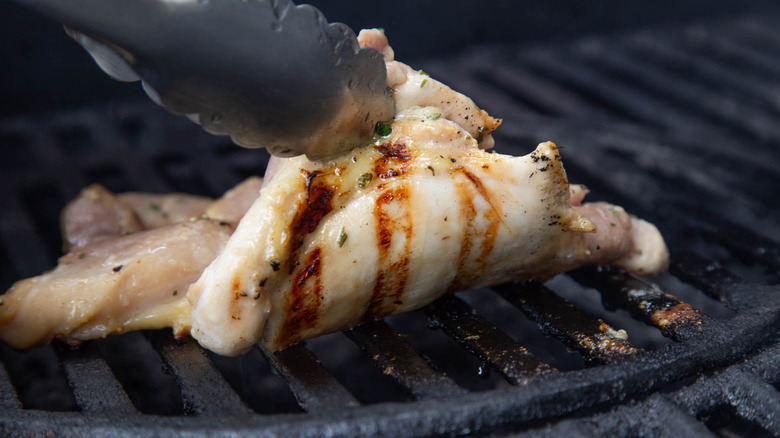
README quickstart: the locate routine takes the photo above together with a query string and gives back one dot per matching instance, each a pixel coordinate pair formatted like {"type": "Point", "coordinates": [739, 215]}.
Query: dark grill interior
{"type": "Point", "coordinates": [679, 125]}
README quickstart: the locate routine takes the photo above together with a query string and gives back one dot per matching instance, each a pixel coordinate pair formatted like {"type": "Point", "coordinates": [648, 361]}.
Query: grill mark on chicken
{"type": "Point", "coordinates": [493, 216]}
{"type": "Point", "coordinates": [303, 301]}
{"type": "Point", "coordinates": [308, 217]}
{"type": "Point", "coordinates": [466, 202]}
{"type": "Point", "coordinates": [235, 309]}
{"type": "Point", "coordinates": [392, 275]}
{"type": "Point", "coordinates": [393, 162]}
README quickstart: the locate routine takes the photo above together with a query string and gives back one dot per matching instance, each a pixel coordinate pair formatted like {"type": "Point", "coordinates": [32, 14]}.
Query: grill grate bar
{"type": "Point", "coordinates": [656, 416]}
{"type": "Point", "coordinates": [9, 399]}
{"type": "Point", "coordinates": [93, 383]}
{"type": "Point", "coordinates": [731, 49]}
{"type": "Point", "coordinates": [483, 339]}
{"type": "Point", "coordinates": [754, 400]}
{"type": "Point", "coordinates": [704, 68]}
{"type": "Point", "coordinates": [459, 80]}
{"type": "Point", "coordinates": [544, 96]}
{"type": "Point", "coordinates": [766, 365]}
{"type": "Point", "coordinates": [676, 320]}
{"type": "Point", "coordinates": [743, 242]}
{"type": "Point", "coordinates": [313, 386]}
{"type": "Point", "coordinates": [759, 34]}
{"type": "Point", "coordinates": [711, 278]}
{"type": "Point", "coordinates": [741, 387]}
{"type": "Point", "coordinates": [591, 337]}
{"type": "Point", "coordinates": [398, 359]}
{"type": "Point", "coordinates": [203, 388]}
{"type": "Point", "coordinates": [691, 96]}
{"type": "Point", "coordinates": [621, 99]}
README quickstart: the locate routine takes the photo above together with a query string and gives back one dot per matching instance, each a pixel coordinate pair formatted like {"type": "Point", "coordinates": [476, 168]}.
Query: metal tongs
{"type": "Point", "coordinates": [265, 72]}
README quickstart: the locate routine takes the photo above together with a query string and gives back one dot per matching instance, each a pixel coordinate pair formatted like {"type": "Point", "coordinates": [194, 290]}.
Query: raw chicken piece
{"type": "Point", "coordinates": [94, 215]}
{"type": "Point", "coordinates": [141, 269]}
{"type": "Point", "coordinates": [156, 210]}
{"type": "Point", "coordinates": [113, 286]}
{"type": "Point", "coordinates": [232, 206]}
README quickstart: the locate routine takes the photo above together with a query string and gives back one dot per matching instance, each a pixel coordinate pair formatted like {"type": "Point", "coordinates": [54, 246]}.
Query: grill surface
{"type": "Point", "coordinates": [677, 125]}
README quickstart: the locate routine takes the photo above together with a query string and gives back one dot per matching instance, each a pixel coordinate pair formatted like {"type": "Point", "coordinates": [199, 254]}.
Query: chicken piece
{"type": "Point", "coordinates": [232, 206]}
{"type": "Point", "coordinates": [393, 226]}
{"type": "Point", "coordinates": [156, 210]}
{"type": "Point", "coordinates": [416, 88]}
{"type": "Point", "coordinates": [390, 228]}
{"type": "Point", "coordinates": [115, 285]}
{"type": "Point", "coordinates": [96, 214]}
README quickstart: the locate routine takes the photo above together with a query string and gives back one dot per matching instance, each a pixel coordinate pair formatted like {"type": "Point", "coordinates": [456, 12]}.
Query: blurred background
{"type": "Point", "coordinates": [44, 70]}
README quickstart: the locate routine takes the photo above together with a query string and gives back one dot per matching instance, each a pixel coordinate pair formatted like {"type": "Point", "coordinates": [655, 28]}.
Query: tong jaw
{"type": "Point", "coordinates": [267, 73]}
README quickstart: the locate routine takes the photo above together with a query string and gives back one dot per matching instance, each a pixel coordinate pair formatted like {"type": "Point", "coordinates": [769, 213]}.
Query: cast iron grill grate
{"type": "Point", "coordinates": [677, 125]}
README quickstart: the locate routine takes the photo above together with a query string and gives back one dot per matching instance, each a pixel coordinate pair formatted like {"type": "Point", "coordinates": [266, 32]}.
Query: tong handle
{"type": "Point", "coordinates": [268, 73]}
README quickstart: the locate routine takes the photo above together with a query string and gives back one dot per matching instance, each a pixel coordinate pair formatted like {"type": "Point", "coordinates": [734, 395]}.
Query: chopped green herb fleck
{"type": "Point", "coordinates": [274, 264]}
{"type": "Point", "coordinates": [422, 73]}
{"type": "Point", "coordinates": [382, 129]}
{"type": "Point", "coordinates": [381, 29]}
{"type": "Point", "coordinates": [82, 255]}
{"type": "Point", "coordinates": [175, 293]}
{"type": "Point", "coordinates": [611, 224]}
{"type": "Point", "coordinates": [481, 132]}
{"type": "Point", "coordinates": [342, 237]}
{"type": "Point", "coordinates": [638, 252]}
{"type": "Point", "coordinates": [154, 207]}
{"type": "Point", "coordinates": [614, 211]}
{"type": "Point", "coordinates": [434, 116]}
{"type": "Point", "coordinates": [126, 233]}
{"type": "Point", "coordinates": [364, 179]}
{"type": "Point", "coordinates": [390, 90]}
{"type": "Point", "coordinates": [573, 191]}
{"type": "Point", "coordinates": [422, 84]}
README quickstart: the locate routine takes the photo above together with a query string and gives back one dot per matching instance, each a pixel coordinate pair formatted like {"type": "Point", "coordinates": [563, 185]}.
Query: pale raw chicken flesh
{"type": "Point", "coordinates": [96, 214]}
{"type": "Point", "coordinates": [123, 273]}
{"type": "Point", "coordinates": [393, 226]}
{"type": "Point", "coordinates": [116, 285]}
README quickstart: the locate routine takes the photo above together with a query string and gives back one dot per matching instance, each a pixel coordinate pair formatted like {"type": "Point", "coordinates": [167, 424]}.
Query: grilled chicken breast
{"type": "Point", "coordinates": [392, 227]}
